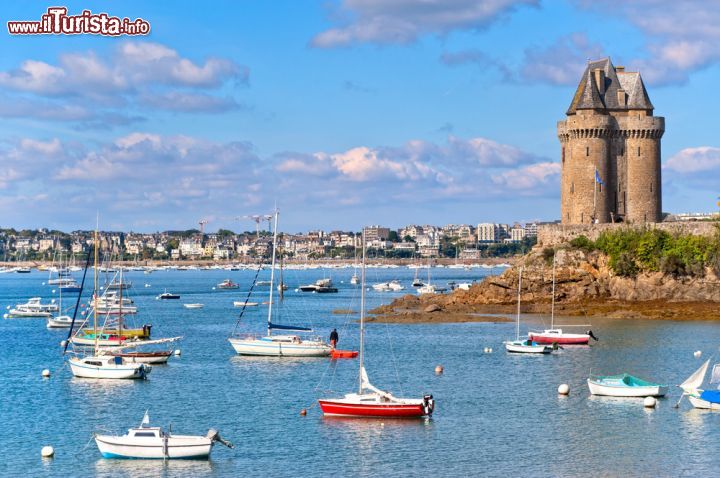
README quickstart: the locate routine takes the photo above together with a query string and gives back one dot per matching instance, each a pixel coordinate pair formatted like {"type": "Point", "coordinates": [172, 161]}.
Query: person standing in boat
{"type": "Point", "coordinates": [334, 338]}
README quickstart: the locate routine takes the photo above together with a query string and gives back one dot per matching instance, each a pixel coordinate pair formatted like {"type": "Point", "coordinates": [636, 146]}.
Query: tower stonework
{"type": "Point", "coordinates": [610, 133]}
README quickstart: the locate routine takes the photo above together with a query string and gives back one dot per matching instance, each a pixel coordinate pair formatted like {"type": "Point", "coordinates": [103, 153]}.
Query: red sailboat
{"type": "Point", "coordinates": [557, 336]}
{"type": "Point", "coordinates": [370, 401]}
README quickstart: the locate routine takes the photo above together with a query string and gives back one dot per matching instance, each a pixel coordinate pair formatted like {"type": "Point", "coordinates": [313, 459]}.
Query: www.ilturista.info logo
{"type": "Point", "coordinates": [57, 22]}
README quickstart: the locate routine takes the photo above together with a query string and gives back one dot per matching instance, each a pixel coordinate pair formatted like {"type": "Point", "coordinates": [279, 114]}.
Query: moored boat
{"type": "Point", "coordinates": [625, 385]}
{"type": "Point", "coordinates": [167, 296]}
{"type": "Point", "coordinates": [153, 442]}
{"type": "Point", "coordinates": [370, 401]}
{"type": "Point", "coordinates": [228, 284]}
{"type": "Point", "coordinates": [193, 306]}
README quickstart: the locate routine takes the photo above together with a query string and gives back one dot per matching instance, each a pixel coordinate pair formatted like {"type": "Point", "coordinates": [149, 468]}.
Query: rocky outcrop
{"type": "Point", "coordinates": [584, 284]}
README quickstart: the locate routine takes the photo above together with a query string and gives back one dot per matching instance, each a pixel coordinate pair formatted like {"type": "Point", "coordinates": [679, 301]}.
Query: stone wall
{"type": "Point", "coordinates": [553, 234]}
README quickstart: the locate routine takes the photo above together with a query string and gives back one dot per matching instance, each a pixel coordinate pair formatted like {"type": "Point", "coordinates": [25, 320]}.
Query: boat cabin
{"type": "Point", "coordinates": [146, 432]}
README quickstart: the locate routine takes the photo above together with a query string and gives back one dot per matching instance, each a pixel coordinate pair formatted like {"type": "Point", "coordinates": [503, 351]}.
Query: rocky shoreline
{"type": "Point", "coordinates": [585, 286]}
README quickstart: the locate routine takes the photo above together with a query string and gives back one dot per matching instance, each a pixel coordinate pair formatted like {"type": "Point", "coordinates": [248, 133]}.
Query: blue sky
{"type": "Point", "coordinates": [343, 113]}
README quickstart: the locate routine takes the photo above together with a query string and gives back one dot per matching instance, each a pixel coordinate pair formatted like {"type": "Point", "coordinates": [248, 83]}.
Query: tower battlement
{"type": "Point", "coordinates": [610, 150]}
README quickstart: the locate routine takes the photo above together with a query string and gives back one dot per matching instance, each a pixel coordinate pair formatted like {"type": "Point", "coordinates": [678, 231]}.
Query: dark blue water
{"type": "Point", "coordinates": [496, 414]}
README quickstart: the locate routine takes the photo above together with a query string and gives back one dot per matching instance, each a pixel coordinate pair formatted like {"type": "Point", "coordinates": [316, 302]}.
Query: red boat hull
{"type": "Point", "coordinates": [336, 354]}
{"type": "Point", "coordinates": [330, 407]}
{"type": "Point", "coordinates": [559, 339]}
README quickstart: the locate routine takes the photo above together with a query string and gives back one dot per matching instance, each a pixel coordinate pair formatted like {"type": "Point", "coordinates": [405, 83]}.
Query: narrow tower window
{"type": "Point", "coordinates": [582, 217]}
{"type": "Point", "coordinates": [563, 155]}
{"type": "Point", "coordinates": [572, 187]}
{"type": "Point", "coordinates": [587, 151]}
{"type": "Point", "coordinates": [651, 187]}
{"type": "Point", "coordinates": [638, 150]}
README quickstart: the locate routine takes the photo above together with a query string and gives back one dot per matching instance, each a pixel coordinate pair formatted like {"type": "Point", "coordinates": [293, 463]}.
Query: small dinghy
{"type": "Point", "coordinates": [625, 385]}
{"type": "Point", "coordinates": [528, 347]}
{"type": "Point", "coordinates": [337, 354]}
{"type": "Point", "coordinates": [193, 306]}
{"type": "Point", "coordinates": [154, 442]}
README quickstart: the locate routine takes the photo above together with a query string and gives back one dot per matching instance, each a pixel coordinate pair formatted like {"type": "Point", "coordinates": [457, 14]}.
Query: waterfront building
{"type": "Point", "coordinates": [610, 149]}
{"type": "Point", "coordinates": [377, 233]}
{"type": "Point", "coordinates": [487, 232]}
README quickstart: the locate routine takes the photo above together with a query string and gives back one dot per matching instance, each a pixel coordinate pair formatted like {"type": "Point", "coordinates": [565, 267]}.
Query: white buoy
{"type": "Point", "coordinates": [63, 343]}
{"type": "Point", "coordinates": [650, 402]}
{"type": "Point", "coordinates": [7, 308]}
{"type": "Point", "coordinates": [213, 288]}
{"type": "Point", "coordinates": [178, 352]}
{"type": "Point", "coordinates": [439, 370]}
{"type": "Point", "coordinates": [5, 316]}
{"type": "Point", "coordinates": [564, 389]}
{"type": "Point", "coordinates": [47, 452]}
{"type": "Point", "coordinates": [46, 373]}
{"type": "Point", "coordinates": [489, 350]}
{"type": "Point", "coordinates": [697, 354]}
{"type": "Point", "coordinates": [43, 283]}
{"type": "Point", "coordinates": [53, 300]}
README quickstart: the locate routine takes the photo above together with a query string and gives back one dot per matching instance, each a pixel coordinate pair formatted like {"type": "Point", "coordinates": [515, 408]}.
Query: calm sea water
{"type": "Point", "coordinates": [496, 414]}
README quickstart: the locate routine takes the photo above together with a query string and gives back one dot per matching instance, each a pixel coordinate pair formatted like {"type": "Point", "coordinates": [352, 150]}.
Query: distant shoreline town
{"type": "Point", "coordinates": [459, 242]}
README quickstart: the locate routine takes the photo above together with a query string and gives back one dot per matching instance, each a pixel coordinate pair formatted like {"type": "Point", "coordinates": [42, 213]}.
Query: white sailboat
{"type": "Point", "coordinates": [699, 396]}
{"type": "Point", "coordinates": [370, 401]}
{"type": "Point", "coordinates": [98, 365]}
{"type": "Point", "coordinates": [524, 346]}
{"type": "Point", "coordinates": [279, 345]}
{"type": "Point", "coordinates": [59, 321]}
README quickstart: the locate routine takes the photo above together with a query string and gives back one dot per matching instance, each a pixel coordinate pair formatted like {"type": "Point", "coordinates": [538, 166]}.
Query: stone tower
{"type": "Point", "coordinates": [610, 128]}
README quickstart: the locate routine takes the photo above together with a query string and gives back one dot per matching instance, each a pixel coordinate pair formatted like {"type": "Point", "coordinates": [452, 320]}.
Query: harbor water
{"type": "Point", "coordinates": [496, 414]}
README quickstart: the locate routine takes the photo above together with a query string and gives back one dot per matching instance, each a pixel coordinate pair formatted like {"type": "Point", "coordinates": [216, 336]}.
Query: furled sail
{"type": "Point", "coordinates": [288, 327]}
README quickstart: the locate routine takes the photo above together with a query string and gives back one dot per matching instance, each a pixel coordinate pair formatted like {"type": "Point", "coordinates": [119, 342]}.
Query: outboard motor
{"type": "Point", "coordinates": [428, 404]}
{"type": "Point", "coordinates": [214, 436]}
{"type": "Point", "coordinates": [147, 328]}
{"type": "Point", "coordinates": [590, 333]}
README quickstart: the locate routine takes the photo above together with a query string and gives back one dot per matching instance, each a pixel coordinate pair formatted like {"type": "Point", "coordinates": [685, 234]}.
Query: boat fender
{"type": "Point", "coordinates": [590, 333]}
{"type": "Point", "coordinates": [428, 404]}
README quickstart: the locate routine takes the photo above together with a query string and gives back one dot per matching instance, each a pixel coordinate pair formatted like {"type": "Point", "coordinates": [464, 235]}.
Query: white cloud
{"type": "Point", "coordinates": [690, 161]}
{"type": "Point", "coordinates": [561, 63]}
{"type": "Point", "coordinates": [403, 21]}
{"type": "Point", "coordinates": [533, 180]}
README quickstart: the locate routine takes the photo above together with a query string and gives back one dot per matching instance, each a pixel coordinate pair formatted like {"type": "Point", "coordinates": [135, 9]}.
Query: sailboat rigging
{"type": "Point", "coordinates": [279, 345]}
{"type": "Point", "coordinates": [370, 401]}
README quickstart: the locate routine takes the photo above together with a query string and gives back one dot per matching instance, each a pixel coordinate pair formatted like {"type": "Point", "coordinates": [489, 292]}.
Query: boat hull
{"type": "Point", "coordinates": [703, 404]}
{"type": "Point", "coordinates": [154, 448]}
{"type": "Point", "coordinates": [625, 391]}
{"type": "Point", "coordinates": [520, 348]}
{"type": "Point", "coordinates": [341, 408]}
{"type": "Point", "coordinates": [562, 339]}
{"type": "Point", "coordinates": [267, 348]}
{"type": "Point", "coordinates": [82, 369]}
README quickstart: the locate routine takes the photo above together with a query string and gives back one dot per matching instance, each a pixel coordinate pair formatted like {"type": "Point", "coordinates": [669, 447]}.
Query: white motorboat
{"type": "Point", "coordinates": [153, 442]}
{"type": "Point", "coordinates": [382, 287]}
{"type": "Point", "coordinates": [241, 303]}
{"type": "Point", "coordinates": [34, 308]}
{"type": "Point", "coordinates": [193, 306]}
{"type": "Point", "coordinates": [625, 385]}
{"type": "Point", "coordinates": [61, 322]}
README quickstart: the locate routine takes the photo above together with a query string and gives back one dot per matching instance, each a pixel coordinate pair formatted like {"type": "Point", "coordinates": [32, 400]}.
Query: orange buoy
{"type": "Point", "coordinates": [439, 369]}
{"type": "Point", "coordinates": [303, 412]}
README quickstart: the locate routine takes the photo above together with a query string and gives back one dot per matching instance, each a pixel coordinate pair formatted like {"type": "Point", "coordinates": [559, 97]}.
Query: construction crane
{"type": "Point", "coordinates": [202, 223]}
{"type": "Point", "coordinates": [258, 218]}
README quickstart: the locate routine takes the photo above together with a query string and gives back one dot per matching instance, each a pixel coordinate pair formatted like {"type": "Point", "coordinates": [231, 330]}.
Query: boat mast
{"type": "Point", "coordinates": [362, 315]}
{"type": "Point", "coordinates": [272, 272]}
{"type": "Point", "coordinates": [95, 291]}
{"type": "Point", "coordinates": [517, 333]}
{"type": "Point", "coordinates": [120, 316]}
{"type": "Point", "coordinates": [552, 307]}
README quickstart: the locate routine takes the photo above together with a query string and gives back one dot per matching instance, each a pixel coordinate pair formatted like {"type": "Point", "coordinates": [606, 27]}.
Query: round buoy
{"type": "Point", "coordinates": [7, 308]}
{"type": "Point", "coordinates": [63, 343]}
{"type": "Point", "coordinates": [43, 283]}
{"type": "Point", "coordinates": [489, 350]}
{"type": "Point", "coordinates": [564, 389]}
{"type": "Point", "coordinates": [697, 354]}
{"type": "Point", "coordinates": [178, 352]}
{"type": "Point", "coordinates": [47, 452]}
{"type": "Point", "coordinates": [650, 402]}
{"type": "Point", "coordinates": [303, 412]}
{"type": "Point", "coordinates": [46, 373]}
{"type": "Point", "coordinates": [5, 316]}
{"type": "Point", "coordinates": [213, 288]}
{"type": "Point", "coordinates": [439, 369]}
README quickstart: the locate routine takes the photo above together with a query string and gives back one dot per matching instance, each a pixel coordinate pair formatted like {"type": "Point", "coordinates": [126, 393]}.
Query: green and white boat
{"type": "Point", "coordinates": [625, 385]}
